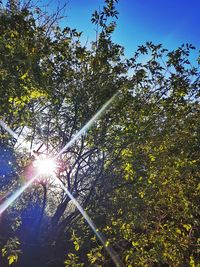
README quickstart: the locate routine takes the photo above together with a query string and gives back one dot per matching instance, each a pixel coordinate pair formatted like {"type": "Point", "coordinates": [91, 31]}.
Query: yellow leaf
{"type": "Point", "coordinates": [135, 244]}
{"type": "Point", "coordinates": [192, 262]}
{"type": "Point", "coordinates": [152, 158]}
{"type": "Point", "coordinates": [24, 76]}
{"type": "Point", "coordinates": [12, 259]}
{"type": "Point", "coordinates": [127, 257]}
{"type": "Point", "coordinates": [8, 46]}
{"type": "Point", "coordinates": [107, 243]}
{"type": "Point", "coordinates": [187, 226]}
{"type": "Point", "coordinates": [198, 187]}
{"type": "Point", "coordinates": [3, 251]}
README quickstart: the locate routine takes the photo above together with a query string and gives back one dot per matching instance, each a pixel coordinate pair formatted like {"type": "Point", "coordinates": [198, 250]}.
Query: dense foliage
{"type": "Point", "coordinates": [136, 171]}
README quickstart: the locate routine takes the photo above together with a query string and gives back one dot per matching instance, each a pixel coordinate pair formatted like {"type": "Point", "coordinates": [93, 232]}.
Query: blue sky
{"type": "Point", "coordinates": [170, 22]}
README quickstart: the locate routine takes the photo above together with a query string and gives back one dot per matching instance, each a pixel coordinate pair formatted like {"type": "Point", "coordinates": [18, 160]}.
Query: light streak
{"type": "Point", "coordinates": [82, 131]}
{"type": "Point", "coordinates": [114, 256]}
{"type": "Point", "coordinates": [17, 193]}
{"type": "Point", "coordinates": [88, 125]}
{"type": "Point", "coordinates": [11, 132]}
{"type": "Point", "coordinates": [45, 166]}
{"type": "Point", "coordinates": [17, 138]}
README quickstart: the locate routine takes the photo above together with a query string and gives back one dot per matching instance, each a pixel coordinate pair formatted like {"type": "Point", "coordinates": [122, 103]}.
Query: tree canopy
{"type": "Point", "coordinates": [135, 171]}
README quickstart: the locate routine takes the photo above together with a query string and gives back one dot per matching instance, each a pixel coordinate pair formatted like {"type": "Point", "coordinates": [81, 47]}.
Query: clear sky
{"type": "Point", "coordinates": [170, 22]}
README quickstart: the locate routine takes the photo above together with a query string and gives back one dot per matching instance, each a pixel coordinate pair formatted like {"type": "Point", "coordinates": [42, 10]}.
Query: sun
{"type": "Point", "coordinates": [46, 166]}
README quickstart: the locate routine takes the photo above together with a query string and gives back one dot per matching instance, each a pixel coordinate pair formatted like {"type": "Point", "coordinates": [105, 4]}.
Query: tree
{"type": "Point", "coordinates": [148, 204]}
{"type": "Point", "coordinates": [135, 171]}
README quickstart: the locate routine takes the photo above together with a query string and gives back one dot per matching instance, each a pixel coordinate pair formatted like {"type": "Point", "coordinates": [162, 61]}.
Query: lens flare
{"type": "Point", "coordinates": [46, 166]}
{"type": "Point", "coordinates": [16, 194]}
{"type": "Point", "coordinates": [11, 132]}
{"type": "Point", "coordinates": [111, 252]}
{"type": "Point", "coordinates": [88, 125]}
{"type": "Point", "coordinates": [82, 131]}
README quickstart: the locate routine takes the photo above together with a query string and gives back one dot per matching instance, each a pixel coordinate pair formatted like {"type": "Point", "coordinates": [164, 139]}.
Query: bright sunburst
{"type": "Point", "coordinates": [46, 166]}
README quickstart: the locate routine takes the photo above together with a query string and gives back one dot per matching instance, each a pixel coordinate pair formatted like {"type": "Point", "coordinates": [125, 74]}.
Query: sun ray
{"type": "Point", "coordinates": [16, 194]}
{"type": "Point", "coordinates": [11, 132]}
{"type": "Point", "coordinates": [112, 253]}
{"type": "Point", "coordinates": [88, 125]}
{"type": "Point", "coordinates": [82, 131]}
{"type": "Point", "coordinates": [48, 167]}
